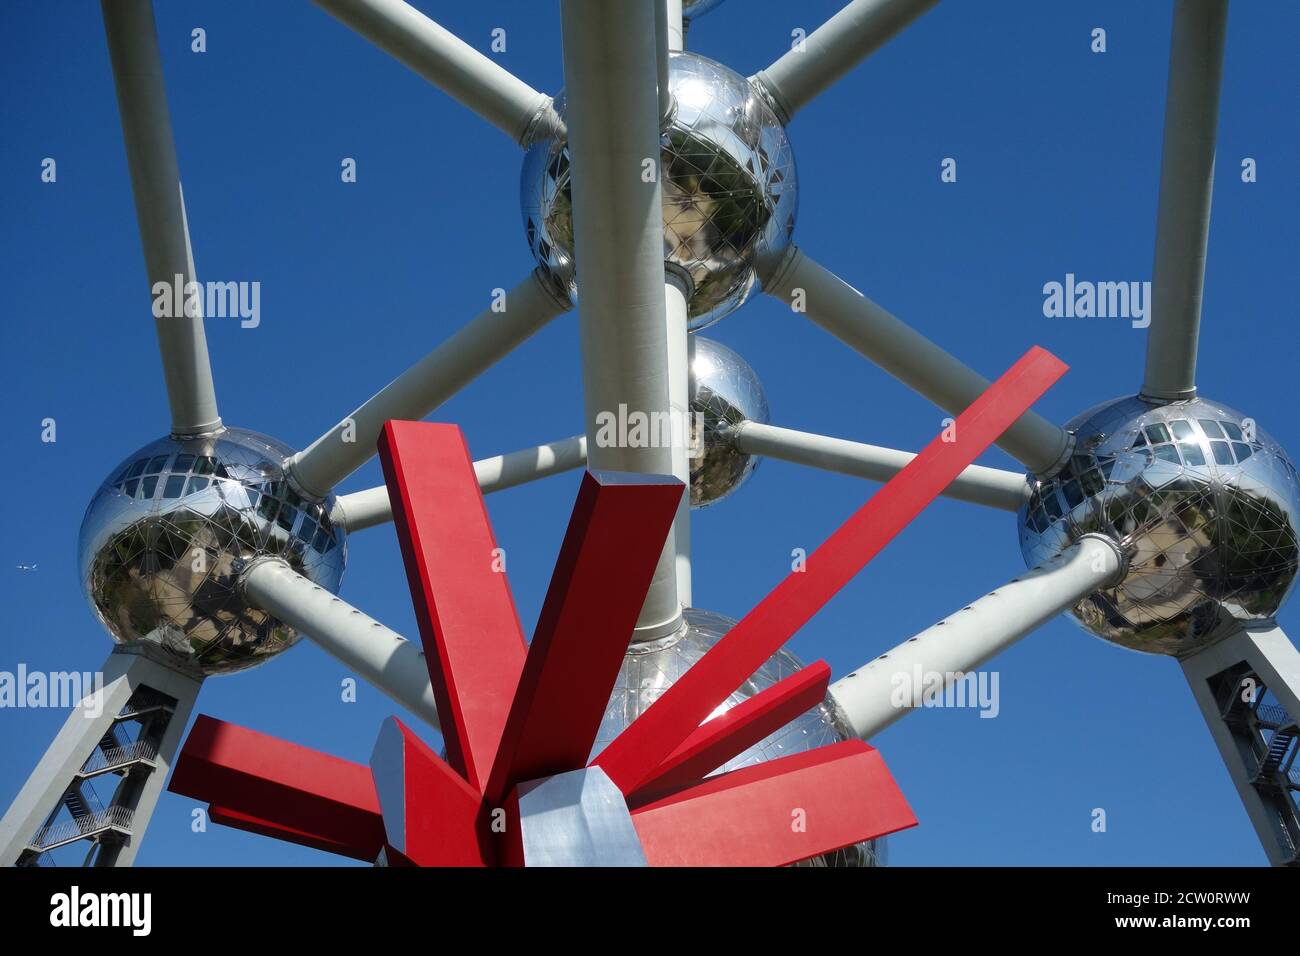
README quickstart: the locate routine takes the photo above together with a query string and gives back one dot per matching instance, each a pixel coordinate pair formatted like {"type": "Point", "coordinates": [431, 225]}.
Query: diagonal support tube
{"type": "Point", "coordinates": [382, 658]}
{"type": "Point", "coordinates": [365, 509]}
{"type": "Point", "coordinates": [450, 64]}
{"type": "Point", "coordinates": [906, 354]}
{"type": "Point", "coordinates": [610, 66]}
{"type": "Point", "coordinates": [160, 211]}
{"type": "Point", "coordinates": [427, 384]}
{"type": "Point", "coordinates": [992, 487]}
{"type": "Point", "coordinates": [833, 49]}
{"type": "Point", "coordinates": [1186, 186]}
{"type": "Point", "coordinates": [883, 690]}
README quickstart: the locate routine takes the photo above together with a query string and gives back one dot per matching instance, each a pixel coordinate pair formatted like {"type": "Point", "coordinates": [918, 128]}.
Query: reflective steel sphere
{"type": "Point", "coordinates": [697, 8]}
{"type": "Point", "coordinates": [650, 668]}
{"type": "Point", "coordinates": [1204, 503]}
{"type": "Point", "coordinates": [728, 180]}
{"type": "Point", "coordinates": [724, 391]}
{"type": "Point", "coordinates": [167, 534]}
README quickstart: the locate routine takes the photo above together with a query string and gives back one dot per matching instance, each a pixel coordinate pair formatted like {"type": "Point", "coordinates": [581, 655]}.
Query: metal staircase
{"type": "Point", "coordinates": [128, 750]}
{"type": "Point", "coordinates": [1268, 740]}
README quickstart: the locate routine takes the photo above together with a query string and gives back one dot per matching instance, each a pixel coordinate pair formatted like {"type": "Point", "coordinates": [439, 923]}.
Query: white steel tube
{"type": "Point", "coordinates": [450, 64]}
{"type": "Point", "coordinates": [833, 49]}
{"type": "Point", "coordinates": [883, 690]}
{"type": "Point", "coordinates": [675, 23]}
{"type": "Point", "coordinates": [613, 118]}
{"type": "Point", "coordinates": [427, 384]}
{"type": "Point", "coordinates": [991, 487]}
{"type": "Point", "coordinates": [382, 658]}
{"type": "Point", "coordinates": [680, 348]}
{"type": "Point", "coordinates": [906, 354]}
{"type": "Point", "coordinates": [365, 509]}
{"type": "Point", "coordinates": [160, 211]}
{"type": "Point", "coordinates": [1186, 186]}
{"type": "Point", "coordinates": [663, 43]}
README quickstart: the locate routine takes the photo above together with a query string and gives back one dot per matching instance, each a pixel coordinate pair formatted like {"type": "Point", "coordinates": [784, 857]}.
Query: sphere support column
{"type": "Point", "coordinates": [123, 734]}
{"type": "Point", "coordinates": [1248, 689]}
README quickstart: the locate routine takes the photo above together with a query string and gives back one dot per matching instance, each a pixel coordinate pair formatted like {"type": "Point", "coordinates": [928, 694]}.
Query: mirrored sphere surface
{"type": "Point", "coordinates": [697, 8]}
{"type": "Point", "coordinates": [725, 391]}
{"type": "Point", "coordinates": [652, 667]}
{"type": "Point", "coordinates": [1203, 501]}
{"type": "Point", "coordinates": [728, 180]}
{"type": "Point", "coordinates": [169, 531]}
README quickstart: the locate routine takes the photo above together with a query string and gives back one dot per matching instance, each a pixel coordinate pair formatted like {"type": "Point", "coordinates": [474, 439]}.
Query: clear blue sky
{"type": "Point", "coordinates": [1058, 155]}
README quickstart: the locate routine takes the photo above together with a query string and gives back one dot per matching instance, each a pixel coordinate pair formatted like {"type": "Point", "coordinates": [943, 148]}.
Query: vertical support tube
{"type": "Point", "coordinates": [610, 61]}
{"type": "Point", "coordinates": [676, 24]}
{"type": "Point", "coordinates": [680, 347]}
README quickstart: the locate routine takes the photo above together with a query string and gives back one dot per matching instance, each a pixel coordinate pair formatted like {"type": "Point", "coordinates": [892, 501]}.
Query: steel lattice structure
{"type": "Point", "coordinates": [660, 192]}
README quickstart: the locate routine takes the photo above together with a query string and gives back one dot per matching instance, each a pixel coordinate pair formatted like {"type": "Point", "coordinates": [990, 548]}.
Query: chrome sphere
{"type": "Point", "coordinates": [1204, 503]}
{"type": "Point", "coordinates": [652, 667]}
{"type": "Point", "coordinates": [728, 180]}
{"type": "Point", "coordinates": [691, 9]}
{"type": "Point", "coordinates": [724, 392]}
{"type": "Point", "coordinates": [167, 534]}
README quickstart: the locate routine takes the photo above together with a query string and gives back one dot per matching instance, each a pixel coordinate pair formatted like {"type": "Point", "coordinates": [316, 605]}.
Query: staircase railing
{"type": "Point", "coordinates": [67, 830]}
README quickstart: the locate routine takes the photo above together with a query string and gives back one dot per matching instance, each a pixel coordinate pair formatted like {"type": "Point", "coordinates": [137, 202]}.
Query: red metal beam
{"type": "Point", "coordinates": [468, 623]}
{"type": "Point", "coordinates": [733, 732]}
{"type": "Point", "coordinates": [253, 824]}
{"type": "Point", "coordinates": [605, 566]}
{"type": "Point", "coordinates": [432, 817]}
{"type": "Point", "coordinates": [268, 785]}
{"type": "Point", "coordinates": [632, 757]}
{"type": "Point", "coordinates": [777, 812]}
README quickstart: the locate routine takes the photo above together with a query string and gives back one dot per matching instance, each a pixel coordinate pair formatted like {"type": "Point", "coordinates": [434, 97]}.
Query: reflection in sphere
{"type": "Point", "coordinates": [728, 180]}
{"type": "Point", "coordinates": [724, 392]}
{"type": "Point", "coordinates": [697, 8]}
{"type": "Point", "coordinates": [649, 668]}
{"type": "Point", "coordinates": [167, 535]}
{"type": "Point", "coordinates": [1204, 503]}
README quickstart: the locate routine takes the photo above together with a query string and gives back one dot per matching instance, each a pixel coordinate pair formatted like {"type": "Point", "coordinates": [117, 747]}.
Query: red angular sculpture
{"type": "Point", "coordinates": [512, 714]}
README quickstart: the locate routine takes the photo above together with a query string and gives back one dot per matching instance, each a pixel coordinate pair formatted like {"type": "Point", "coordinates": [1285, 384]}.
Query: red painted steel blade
{"type": "Point", "coordinates": [606, 563]}
{"type": "Point", "coordinates": [432, 817]}
{"type": "Point", "coordinates": [632, 756]}
{"type": "Point", "coordinates": [777, 812]}
{"type": "Point", "coordinates": [468, 623]}
{"type": "Point", "coordinates": [254, 777]}
{"type": "Point", "coordinates": [733, 732]}
{"type": "Point", "coordinates": [267, 828]}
